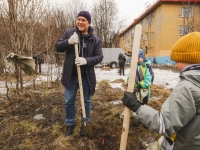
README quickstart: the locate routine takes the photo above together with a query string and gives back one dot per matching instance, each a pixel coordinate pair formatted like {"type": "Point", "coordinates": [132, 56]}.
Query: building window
{"type": "Point", "coordinates": [183, 30]}
{"type": "Point", "coordinates": [186, 12]}
{"type": "Point", "coordinates": [132, 39]}
{"type": "Point", "coordinates": [126, 36]}
{"type": "Point", "coordinates": [147, 21]}
{"type": "Point", "coordinates": [141, 39]}
{"type": "Point", "coordinates": [146, 36]}
{"type": "Point", "coordinates": [132, 32]}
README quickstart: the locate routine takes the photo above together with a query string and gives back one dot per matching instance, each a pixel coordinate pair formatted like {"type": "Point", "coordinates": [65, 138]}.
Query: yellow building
{"type": "Point", "coordinates": [163, 23]}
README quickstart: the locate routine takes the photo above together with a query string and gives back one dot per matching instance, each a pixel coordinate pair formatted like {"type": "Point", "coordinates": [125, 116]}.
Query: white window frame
{"type": "Point", "coordinates": [184, 30]}
{"type": "Point", "coordinates": [186, 12]}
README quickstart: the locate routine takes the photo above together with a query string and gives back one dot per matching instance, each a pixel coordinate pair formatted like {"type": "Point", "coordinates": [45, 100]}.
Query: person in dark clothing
{"type": "Point", "coordinates": [38, 62]}
{"type": "Point", "coordinates": [122, 60]}
{"type": "Point", "coordinates": [90, 54]}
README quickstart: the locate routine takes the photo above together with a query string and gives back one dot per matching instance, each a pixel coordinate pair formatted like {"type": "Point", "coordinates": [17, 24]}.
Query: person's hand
{"type": "Point", "coordinates": [80, 61]}
{"type": "Point", "coordinates": [130, 101]}
{"type": "Point", "coordinates": [137, 88]}
{"type": "Point", "coordinates": [73, 39]}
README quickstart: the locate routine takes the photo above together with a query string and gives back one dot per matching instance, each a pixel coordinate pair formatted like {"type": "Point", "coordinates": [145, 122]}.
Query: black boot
{"type": "Point", "coordinates": [82, 132]}
{"type": "Point", "coordinates": [69, 130]}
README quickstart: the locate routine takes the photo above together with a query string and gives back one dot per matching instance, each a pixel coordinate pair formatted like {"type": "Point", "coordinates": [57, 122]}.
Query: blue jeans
{"type": "Point", "coordinates": [70, 97]}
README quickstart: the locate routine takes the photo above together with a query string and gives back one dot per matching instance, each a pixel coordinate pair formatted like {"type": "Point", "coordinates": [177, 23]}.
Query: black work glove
{"type": "Point", "coordinates": [130, 101]}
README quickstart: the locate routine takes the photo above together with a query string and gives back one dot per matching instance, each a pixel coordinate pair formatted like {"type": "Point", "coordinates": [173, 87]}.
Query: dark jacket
{"type": "Point", "coordinates": [93, 55]}
{"type": "Point", "coordinates": [122, 59]}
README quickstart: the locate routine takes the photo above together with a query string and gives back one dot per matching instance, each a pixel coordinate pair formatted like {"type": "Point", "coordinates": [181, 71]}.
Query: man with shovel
{"type": "Point", "coordinates": [90, 54]}
{"type": "Point", "coordinates": [178, 120]}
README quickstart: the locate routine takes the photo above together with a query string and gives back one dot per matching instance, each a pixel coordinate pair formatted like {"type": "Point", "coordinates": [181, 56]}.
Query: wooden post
{"type": "Point", "coordinates": [131, 82]}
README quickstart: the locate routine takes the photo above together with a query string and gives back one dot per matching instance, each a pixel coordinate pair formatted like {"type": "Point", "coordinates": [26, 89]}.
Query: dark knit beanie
{"type": "Point", "coordinates": [85, 14]}
{"type": "Point", "coordinates": [141, 54]}
{"type": "Point", "coordinates": [187, 49]}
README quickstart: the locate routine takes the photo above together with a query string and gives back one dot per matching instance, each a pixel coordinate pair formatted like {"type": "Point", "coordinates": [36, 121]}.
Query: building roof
{"type": "Point", "coordinates": [152, 8]}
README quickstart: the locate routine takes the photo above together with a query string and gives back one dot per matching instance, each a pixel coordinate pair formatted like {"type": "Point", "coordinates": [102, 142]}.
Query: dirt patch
{"type": "Point", "coordinates": [19, 129]}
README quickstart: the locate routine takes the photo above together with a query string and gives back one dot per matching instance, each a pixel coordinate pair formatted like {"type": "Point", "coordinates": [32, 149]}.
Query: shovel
{"type": "Point", "coordinates": [87, 127]}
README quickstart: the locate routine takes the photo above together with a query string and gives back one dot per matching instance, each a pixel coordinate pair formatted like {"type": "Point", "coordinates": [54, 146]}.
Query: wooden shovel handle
{"type": "Point", "coordinates": [80, 85]}
{"type": "Point", "coordinates": [131, 82]}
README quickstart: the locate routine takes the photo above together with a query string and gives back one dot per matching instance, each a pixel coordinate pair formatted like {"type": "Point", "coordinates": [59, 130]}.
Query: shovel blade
{"type": "Point", "coordinates": [88, 131]}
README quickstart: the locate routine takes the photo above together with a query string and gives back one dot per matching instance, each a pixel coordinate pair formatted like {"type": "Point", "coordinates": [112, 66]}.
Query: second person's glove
{"type": "Point", "coordinates": [130, 101]}
{"type": "Point", "coordinates": [80, 61]}
{"type": "Point", "coordinates": [73, 39]}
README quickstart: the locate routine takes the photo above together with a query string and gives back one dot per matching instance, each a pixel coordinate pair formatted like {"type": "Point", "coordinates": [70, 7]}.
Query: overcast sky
{"type": "Point", "coordinates": [132, 9]}
{"type": "Point", "coordinates": [128, 9]}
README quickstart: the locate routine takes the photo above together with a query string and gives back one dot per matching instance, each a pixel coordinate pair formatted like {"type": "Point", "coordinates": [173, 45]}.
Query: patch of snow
{"type": "Point", "coordinates": [165, 78]}
{"type": "Point", "coordinates": [110, 75]}
{"type": "Point", "coordinates": [3, 90]}
{"type": "Point", "coordinates": [116, 102]}
{"type": "Point", "coordinates": [155, 98]}
{"type": "Point", "coordinates": [39, 117]}
{"type": "Point", "coordinates": [116, 85]}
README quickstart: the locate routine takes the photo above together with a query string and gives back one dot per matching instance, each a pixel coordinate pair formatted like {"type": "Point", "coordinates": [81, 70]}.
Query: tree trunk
{"type": "Point", "coordinates": [1, 63]}
{"type": "Point", "coordinates": [17, 77]}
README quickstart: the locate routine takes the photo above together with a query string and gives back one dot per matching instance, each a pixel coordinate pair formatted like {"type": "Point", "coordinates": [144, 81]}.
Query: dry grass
{"type": "Point", "coordinates": [106, 93]}
{"type": "Point", "coordinates": [19, 130]}
{"type": "Point", "coordinates": [63, 143]}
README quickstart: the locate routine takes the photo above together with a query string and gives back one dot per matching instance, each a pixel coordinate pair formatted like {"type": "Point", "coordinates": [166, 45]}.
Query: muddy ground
{"type": "Point", "coordinates": [19, 129]}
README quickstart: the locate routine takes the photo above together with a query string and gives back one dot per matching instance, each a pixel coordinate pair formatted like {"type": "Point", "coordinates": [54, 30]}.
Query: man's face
{"type": "Point", "coordinates": [82, 24]}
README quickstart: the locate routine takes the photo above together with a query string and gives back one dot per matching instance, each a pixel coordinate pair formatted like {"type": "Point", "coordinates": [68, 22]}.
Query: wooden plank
{"type": "Point", "coordinates": [131, 82]}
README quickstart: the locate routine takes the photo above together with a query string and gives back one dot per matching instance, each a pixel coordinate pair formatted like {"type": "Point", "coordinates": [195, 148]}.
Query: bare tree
{"type": "Point", "coordinates": [106, 22]}
{"type": "Point", "coordinates": [66, 13]}
{"type": "Point", "coordinates": [29, 28]}
{"type": "Point", "coordinates": [20, 18]}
